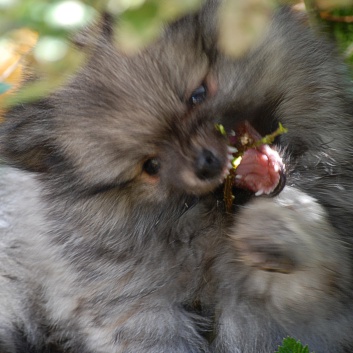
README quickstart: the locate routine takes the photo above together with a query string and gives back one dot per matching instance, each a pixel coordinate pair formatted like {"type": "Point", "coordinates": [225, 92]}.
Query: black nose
{"type": "Point", "coordinates": [208, 165]}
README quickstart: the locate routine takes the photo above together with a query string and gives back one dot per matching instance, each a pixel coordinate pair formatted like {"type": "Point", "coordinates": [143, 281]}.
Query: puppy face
{"type": "Point", "coordinates": [132, 122]}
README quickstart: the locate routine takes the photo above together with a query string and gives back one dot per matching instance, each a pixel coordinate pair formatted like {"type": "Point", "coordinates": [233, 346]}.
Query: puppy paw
{"type": "Point", "coordinates": [285, 250]}
{"type": "Point", "coordinates": [280, 234]}
{"type": "Point", "coordinates": [266, 253]}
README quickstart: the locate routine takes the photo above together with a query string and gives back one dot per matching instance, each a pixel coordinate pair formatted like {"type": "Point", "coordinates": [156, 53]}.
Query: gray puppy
{"type": "Point", "coordinates": [117, 239]}
{"type": "Point", "coordinates": [292, 272]}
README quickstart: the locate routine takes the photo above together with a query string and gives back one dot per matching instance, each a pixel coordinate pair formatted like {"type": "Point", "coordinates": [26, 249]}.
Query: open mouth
{"type": "Point", "coordinates": [254, 164]}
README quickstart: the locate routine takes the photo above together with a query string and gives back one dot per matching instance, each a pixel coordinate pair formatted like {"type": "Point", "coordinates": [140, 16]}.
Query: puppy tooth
{"type": "Point", "coordinates": [259, 193]}
{"type": "Point", "coordinates": [229, 166]}
{"type": "Point", "coordinates": [238, 176]}
{"type": "Point", "coordinates": [232, 149]}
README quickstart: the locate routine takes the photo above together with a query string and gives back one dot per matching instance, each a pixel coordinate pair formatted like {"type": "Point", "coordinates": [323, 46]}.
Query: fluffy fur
{"type": "Point", "coordinates": [116, 238]}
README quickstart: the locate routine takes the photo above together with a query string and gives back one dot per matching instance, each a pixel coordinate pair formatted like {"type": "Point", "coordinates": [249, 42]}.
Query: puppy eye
{"type": "Point", "coordinates": [152, 166]}
{"type": "Point", "coordinates": [198, 96]}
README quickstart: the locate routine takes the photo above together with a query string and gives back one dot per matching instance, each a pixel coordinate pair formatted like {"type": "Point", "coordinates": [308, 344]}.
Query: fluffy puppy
{"type": "Point", "coordinates": [292, 269]}
{"type": "Point", "coordinates": [112, 255]}
{"type": "Point", "coordinates": [117, 239]}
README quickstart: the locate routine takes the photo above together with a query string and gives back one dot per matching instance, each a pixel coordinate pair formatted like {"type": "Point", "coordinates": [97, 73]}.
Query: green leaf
{"type": "Point", "coordinates": [221, 129]}
{"type": "Point", "coordinates": [141, 17]}
{"type": "Point", "coordinates": [290, 345]}
{"type": "Point", "coordinates": [268, 139]}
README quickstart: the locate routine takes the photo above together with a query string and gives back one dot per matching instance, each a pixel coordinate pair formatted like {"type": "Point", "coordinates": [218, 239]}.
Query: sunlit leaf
{"type": "Point", "coordinates": [242, 23]}
{"type": "Point", "coordinates": [140, 25]}
{"type": "Point", "coordinates": [68, 14]}
{"type": "Point", "coordinates": [137, 27]}
{"type": "Point", "coordinates": [290, 345]}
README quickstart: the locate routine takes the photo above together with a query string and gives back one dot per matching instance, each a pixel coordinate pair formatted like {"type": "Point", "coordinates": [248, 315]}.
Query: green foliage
{"type": "Point", "coordinates": [290, 345]}
{"type": "Point", "coordinates": [44, 16]}
{"type": "Point", "coordinates": [140, 21]}
{"type": "Point", "coordinates": [339, 22]}
{"type": "Point", "coordinates": [139, 25]}
{"type": "Point", "coordinates": [54, 58]}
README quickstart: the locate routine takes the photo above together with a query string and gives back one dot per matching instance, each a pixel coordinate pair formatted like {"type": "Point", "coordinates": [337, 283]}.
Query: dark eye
{"type": "Point", "coordinates": [198, 96]}
{"type": "Point", "coordinates": [152, 166]}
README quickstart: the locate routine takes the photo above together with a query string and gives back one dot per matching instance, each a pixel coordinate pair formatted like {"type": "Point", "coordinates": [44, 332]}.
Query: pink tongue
{"type": "Point", "coordinates": [259, 170]}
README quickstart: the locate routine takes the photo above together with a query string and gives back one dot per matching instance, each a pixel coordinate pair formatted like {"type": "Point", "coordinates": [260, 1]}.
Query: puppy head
{"type": "Point", "coordinates": [135, 123]}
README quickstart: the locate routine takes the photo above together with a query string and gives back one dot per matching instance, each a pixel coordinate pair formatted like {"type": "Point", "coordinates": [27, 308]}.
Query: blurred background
{"type": "Point", "coordinates": [34, 34]}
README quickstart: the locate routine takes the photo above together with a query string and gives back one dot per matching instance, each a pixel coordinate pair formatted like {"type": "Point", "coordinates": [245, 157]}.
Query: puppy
{"type": "Point", "coordinates": [291, 272]}
{"type": "Point", "coordinates": [116, 238]}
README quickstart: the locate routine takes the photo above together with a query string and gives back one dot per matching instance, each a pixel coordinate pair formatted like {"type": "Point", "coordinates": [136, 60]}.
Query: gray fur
{"type": "Point", "coordinates": [99, 256]}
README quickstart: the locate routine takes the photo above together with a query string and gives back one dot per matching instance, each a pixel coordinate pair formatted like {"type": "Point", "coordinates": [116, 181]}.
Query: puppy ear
{"type": "Point", "coordinates": [102, 29]}
{"type": "Point", "coordinates": [25, 141]}
{"type": "Point", "coordinates": [107, 26]}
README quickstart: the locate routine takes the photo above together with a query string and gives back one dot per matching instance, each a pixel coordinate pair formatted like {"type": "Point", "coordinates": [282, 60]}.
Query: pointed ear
{"type": "Point", "coordinates": [25, 140]}
{"type": "Point", "coordinates": [107, 26]}
{"type": "Point", "coordinates": [102, 29]}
